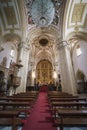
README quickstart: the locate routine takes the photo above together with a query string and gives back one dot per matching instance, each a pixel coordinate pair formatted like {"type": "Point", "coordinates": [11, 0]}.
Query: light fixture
{"type": "Point", "coordinates": [33, 74]}
{"type": "Point", "coordinates": [54, 74]}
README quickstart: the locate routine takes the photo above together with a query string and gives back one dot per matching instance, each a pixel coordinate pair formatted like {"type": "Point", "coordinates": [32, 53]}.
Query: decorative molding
{"type": "Point", "coordinates": [9, 13]}
{"type": "Point", "coordinates": [78, 12]}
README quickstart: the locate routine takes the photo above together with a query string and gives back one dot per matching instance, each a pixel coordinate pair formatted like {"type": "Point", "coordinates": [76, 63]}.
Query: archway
{"type": "Point", "coordinates": [44, 71]}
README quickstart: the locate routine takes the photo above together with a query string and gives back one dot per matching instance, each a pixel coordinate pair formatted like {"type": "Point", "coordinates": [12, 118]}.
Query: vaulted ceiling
{"type": "Point", "coordinates": [16, 25]}
{"type": "Point", "coordinates": [75, 17]}
{"type": "Point", "coordinates": [11, 20]}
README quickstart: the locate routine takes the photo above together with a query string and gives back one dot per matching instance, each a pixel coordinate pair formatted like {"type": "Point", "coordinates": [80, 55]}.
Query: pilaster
{"type": "Point", "coordinates": [24, 57]}
{"type": "Point", "coordinates": [66, 71]}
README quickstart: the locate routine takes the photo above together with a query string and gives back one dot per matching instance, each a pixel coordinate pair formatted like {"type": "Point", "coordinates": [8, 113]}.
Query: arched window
{"type": "Point", "coordinates": [12, 53]}
{"type": "Point", "coordinates": [78, 50]}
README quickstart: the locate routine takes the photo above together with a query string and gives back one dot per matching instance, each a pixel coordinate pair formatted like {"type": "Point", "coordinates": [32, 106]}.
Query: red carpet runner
{"type": "Point", "coordinates": [40, 117]}
{"type": "Point", "coordinates": [43, 88]}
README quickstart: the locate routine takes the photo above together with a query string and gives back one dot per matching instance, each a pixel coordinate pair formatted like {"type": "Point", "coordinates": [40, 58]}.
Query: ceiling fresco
{"type": "Point", "coordinates": [16, 22]}
{"type": "Point", "coordinates": [49, 9]}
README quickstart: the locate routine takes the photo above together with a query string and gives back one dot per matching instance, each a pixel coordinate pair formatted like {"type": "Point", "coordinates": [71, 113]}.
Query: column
{"type": "Point", "coordinates": [24, 57]}
{"type": "Point", "coordinates": [33, 73]}
{"type": "Point", "coordinates": [66, 71]}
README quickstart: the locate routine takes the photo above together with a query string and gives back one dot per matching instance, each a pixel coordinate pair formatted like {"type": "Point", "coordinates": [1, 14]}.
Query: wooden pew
{"type": "Point", "coordinates": [18, 104]}
{"type": "Point", "coordinates": [30, 92]}
{"type": "Point", "coordinates": [57, 93]}
{"type": "Point", "coordinates": [9, 121]}
{"type": "Point", "coordinates": [72, 113]}
{"type": "Point", "coordinates": [26, 95]}
{"type": "Point", "coordinates": [4, 105]}
{"type": "Point", "coordinates": [10, 118]}
{"type": "Point", "coordinates": [67, 99]}
{"type": "Point", "coordinates": [62, 96]}
{"type": "Point", "coordinates": [71, 122]}
{"type": "Point", "coordinates": [71, 118]}
{"type": "Point", "coordinates": [68, 104]}
{"type": "Point", "coordinates": [17, 99]}
{"type": "Point", "coordinates": [61, 101]}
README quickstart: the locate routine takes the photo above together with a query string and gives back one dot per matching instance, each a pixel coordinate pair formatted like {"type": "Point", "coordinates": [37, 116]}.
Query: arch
{"type": "Point", "coordinates": [77, 35]}
{"type": "Point", "coordinates": [75, 38]}
{"type": "Point", "coordinates": [41, 55]}
{"type": "Point", "coordinates": [13, 37]}
{"type": "Point", "coordinates": [80, 60]}
{"type": "Point", "coordinates": [51, 32]}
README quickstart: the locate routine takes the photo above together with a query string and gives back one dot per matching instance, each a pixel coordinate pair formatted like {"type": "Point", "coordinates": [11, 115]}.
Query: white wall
{"type": "Point", "coordinates": [6, 53]}
{"type": "Point", "coordinates": [80, 62]}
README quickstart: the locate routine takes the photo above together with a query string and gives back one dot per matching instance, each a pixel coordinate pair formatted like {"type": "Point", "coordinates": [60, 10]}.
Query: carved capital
{"type": "Point", "coordinates": [24, 45]}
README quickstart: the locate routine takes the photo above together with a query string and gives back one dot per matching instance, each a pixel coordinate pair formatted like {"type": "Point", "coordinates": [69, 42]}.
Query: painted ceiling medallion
{"type": "Point", "coordinates": [42, 12]}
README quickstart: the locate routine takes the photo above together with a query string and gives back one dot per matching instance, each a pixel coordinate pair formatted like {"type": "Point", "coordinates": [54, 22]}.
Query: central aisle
{"type": "Point", "coordinates": [40, 116]}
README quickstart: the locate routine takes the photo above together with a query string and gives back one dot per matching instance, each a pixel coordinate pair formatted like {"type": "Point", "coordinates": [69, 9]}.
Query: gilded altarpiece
{"type": "Point", "coordinates": [44, 71]}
